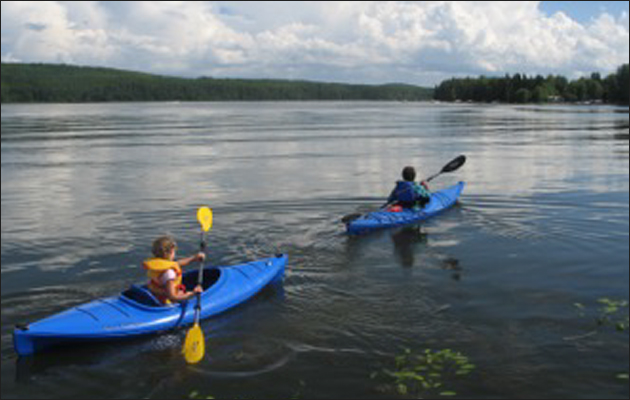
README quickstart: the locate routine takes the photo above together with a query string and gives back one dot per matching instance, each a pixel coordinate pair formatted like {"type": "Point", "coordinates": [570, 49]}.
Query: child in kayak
{"type": "Point", "coordinates": [409, 194]}
{"type": "Point", "coordinates": [165, 273]}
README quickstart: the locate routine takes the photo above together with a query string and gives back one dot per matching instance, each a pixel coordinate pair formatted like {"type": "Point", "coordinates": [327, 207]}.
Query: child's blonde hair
{"type": "Point", "coordinates": [163, 246]}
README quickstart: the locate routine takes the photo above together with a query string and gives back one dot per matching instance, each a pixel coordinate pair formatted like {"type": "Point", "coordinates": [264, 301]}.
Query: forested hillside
{"type": "Point", "coordinates": [45, 83]}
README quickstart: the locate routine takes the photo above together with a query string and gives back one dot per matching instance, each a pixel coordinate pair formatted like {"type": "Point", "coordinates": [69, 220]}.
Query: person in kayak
{"type": "Point", "coordinates": [165, 273]}
{"type": "Point", "coordinates": [409, 194]}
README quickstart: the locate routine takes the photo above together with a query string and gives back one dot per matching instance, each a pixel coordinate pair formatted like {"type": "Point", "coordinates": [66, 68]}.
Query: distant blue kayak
{"type": "Point", "coordinates": [440, 202]}
{"type": "Point", "coordinates": [137, 313]}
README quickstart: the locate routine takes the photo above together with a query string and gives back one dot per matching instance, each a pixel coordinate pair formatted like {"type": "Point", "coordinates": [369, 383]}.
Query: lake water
{"type": "Point", "coordinates": [543, 225]}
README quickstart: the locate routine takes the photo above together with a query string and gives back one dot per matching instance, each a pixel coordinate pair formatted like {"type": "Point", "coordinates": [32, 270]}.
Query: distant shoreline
{"type": "Point", "coordinates": [523, 89]}
{"type": "Point", "coordinates": [48, 83]}
{"type": "Point", "coordinates": [67, 84]}
{"type": "Point", "coordinates": [619, 107]}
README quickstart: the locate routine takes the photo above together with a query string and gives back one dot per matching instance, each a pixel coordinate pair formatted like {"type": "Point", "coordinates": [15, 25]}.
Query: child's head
{"type": "Point", "coordinates": [163, 247]}
{"type": "Point", "coordinates": [409, 174]}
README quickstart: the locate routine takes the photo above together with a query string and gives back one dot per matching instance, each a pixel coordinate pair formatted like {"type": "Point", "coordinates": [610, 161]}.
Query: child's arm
{"type": "Point", "coordinates": [422, 192]}
{"type": "Point", "coordinates": [174, 294]}
{"type": "Point", "coordinates": [201, 257]}
{"type": "Point", "coordinates": [426, 188]}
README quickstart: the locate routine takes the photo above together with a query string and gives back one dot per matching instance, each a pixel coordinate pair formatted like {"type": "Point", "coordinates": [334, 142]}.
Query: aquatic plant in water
{"type": "Point", "coordinates": [196, 395]}
{"type": "Point", "coordinates": [610, 313]}
{"type": "Point", "coordinates": [429, 373]}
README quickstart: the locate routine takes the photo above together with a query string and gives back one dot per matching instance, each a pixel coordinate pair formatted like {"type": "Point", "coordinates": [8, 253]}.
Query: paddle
{"type": "Point", "coordinates": [450, 167]}
{"type": "Point", "coordinates": [195, 344]}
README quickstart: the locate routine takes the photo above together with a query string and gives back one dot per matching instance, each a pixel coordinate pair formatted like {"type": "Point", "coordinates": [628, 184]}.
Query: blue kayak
{"type": "Point", "coordinates": [440, 202]}
{"type": "Point", "coordinates": [136, 312]}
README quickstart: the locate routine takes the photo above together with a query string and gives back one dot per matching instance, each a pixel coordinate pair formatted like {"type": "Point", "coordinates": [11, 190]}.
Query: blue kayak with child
{"type": "Point", "coordinates": [396, 216]}
{"type": "Point", "coordinates": [409, 203]}
{"type": "Point", "coordinates": [164, 304]}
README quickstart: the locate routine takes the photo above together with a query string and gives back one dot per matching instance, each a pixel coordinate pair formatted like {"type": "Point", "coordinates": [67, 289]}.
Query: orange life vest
{"type": "Point", "coordinates": [156, 267]}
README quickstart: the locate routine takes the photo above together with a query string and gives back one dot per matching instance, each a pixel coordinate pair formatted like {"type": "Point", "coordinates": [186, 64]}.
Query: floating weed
{"type": "Point", "coordinates": [428, 373]}
{"type": "Point", "coordinates": [609, 313]}
{"type": "Point", "coordinates": [196, 395]}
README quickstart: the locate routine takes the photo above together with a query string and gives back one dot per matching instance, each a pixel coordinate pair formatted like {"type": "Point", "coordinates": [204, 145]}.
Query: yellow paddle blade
{"type": "Point", "coordinates": [195, 346]}
{"type": "Point", "coordinates": [205, 217]}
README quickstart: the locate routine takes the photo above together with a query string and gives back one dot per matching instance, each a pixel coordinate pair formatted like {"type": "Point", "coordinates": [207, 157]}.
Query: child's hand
{"type": "Point", "coordinates": [198, 290]}
{"type": "Point", "coordinates": [201, 257]}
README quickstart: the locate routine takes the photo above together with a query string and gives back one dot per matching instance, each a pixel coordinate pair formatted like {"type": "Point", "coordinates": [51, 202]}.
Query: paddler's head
{"type": "Point", "coordinates": [165, 248]}
{"type": "Point", "coordinates": [409, 174]}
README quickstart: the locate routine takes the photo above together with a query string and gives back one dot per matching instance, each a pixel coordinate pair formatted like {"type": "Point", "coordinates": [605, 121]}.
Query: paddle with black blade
{"type": "Point", "coordinates": [195, 344]}
{"type": "Point", "coordinates": [448, 168]}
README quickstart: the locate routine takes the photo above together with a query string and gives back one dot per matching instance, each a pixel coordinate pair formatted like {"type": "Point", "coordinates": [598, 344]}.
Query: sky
{"type": "Point", "coordinates": [416, 42]}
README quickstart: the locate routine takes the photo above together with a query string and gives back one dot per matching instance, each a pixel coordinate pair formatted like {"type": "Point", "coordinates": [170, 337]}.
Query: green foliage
{"type": "Point", "coordinates": [622, 84]}
{"type": "Point", "coordinates": [610, 313]}
{"type": "Point", "coordinates": [519, 88]}
{"type": "Point", "coordinates": [429, 372]}
{"type": "Point", "coordinates": [523, 96]}
{"type": "Point", "coordinates": [45, 83]}
{"type": "Point", "coordinates": [196, 395]}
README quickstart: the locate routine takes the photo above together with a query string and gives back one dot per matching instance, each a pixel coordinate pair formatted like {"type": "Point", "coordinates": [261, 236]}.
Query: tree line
{"type": "Point", "coordinates": [50, 83]}
{"type": "Point", "coordinates": [613, 89]}
{"type": "Point", "coordinates": [47, 83]}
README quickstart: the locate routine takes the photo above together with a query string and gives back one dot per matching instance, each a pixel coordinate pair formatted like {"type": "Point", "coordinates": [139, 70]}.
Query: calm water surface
{"type": "Point", "coordinates": [543, 225]}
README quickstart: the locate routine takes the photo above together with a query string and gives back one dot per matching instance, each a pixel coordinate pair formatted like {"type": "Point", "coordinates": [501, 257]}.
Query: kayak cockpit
{"type": "Point", "coordinates": [143, 296]}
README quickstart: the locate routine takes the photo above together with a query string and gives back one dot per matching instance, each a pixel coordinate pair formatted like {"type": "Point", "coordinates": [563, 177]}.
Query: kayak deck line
{"type": "Point", "coordinates": [89, 314]}
{"type": "Point", "coordinates": [114, 306]}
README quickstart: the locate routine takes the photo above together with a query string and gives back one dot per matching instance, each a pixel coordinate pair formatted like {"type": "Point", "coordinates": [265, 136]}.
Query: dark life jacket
{"type": "Point", "coordinates": [405, 194]}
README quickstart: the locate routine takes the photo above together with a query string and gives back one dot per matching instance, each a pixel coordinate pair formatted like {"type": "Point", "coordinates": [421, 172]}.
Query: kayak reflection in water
{"type": "Point", "coordinates": [165, 273]}
{"type": "Point", "coordinates": [408, 194]}
{"type": "Point", "coordinates": [405, 241]}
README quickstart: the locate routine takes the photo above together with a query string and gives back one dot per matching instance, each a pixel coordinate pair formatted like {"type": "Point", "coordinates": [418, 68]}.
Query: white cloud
{"type": "Point", "coordinates": [374, 41]}
{"type": "Point", "coordinates": [605, 35]}
{"type": "Point", "coordinates": [43, 31]}
{"type": "Point", "coordinates": [8, 58]}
